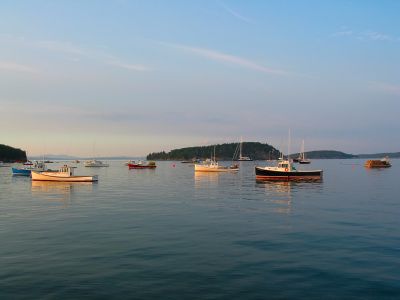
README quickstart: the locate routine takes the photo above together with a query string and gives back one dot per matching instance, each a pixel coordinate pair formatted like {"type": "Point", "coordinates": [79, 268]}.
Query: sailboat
{"type": "Point", "coordinates": [242, 158]}
{"type": "Point", "coordinates": [302, 158]}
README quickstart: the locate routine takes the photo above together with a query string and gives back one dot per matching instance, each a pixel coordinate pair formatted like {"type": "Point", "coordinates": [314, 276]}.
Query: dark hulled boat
{"type": "Point", "coordinates": [285, 171]}
{"type": "Point", "coordinates": [141, 165]}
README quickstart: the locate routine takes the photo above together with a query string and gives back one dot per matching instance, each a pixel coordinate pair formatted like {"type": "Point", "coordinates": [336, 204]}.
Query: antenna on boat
{"type": "Point", "coordinates": [288, 152]}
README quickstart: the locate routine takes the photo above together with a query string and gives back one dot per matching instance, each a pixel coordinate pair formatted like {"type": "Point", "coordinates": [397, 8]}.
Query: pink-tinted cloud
{"type": "Point", "coordinates": [228, 58]}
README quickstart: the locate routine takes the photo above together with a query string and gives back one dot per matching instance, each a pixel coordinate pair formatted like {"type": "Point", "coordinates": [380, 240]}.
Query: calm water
{"type": "Point", "coordinates": [173, 234]}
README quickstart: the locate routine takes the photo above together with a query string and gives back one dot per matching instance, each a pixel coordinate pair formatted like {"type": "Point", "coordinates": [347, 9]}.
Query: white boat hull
{"type": "Point", "coordinates": [206, 168]}
{"type": "Point", "coordinates": [54, 176]}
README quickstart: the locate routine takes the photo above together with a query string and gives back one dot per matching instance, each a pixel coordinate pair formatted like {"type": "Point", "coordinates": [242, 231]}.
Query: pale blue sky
{"type": "Point", "coordinates": [134, 77]}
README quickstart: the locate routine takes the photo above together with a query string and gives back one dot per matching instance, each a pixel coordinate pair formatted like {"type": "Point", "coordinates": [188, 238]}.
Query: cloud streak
{"type": "Point", "coordinates": [236, 14]}
{"type": "Point", "coordinates": [386, 88]}
{"type": "Point", "coordinates": [16, 67]}
{"type": "Point", "coordinates": [366, 35]}
{"type": "Point", "coordinates": [227, 58]}
{"type": "Point", "coordinates": [73, 50]}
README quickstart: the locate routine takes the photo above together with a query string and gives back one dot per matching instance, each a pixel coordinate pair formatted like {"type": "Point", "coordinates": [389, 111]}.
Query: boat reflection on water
{"type": "Point", "coordinates": [58, 191]}
{"type": "Point", "coordinates": [203, 179]}
{"type": "Point", "coordinates": [282, 193]}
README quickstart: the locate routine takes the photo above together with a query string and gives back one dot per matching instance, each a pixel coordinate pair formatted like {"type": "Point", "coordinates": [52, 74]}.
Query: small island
{"type": "Point", "coordinates": [255, 150]}
{"type": "Point", "coordinates": [10, 154]}
{"type": "Point", "coordinates": [325, 154]}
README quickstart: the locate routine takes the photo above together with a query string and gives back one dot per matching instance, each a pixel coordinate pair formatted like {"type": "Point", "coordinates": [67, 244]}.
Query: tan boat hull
{"type": "Point", "coordinates": [55, 177]}
{"type": "Point", "coordinates": [200, 168]}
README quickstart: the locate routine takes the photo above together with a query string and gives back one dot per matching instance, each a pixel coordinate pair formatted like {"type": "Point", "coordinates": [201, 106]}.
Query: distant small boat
{"type": "Point", "coordinates": [241, 157]}
{"type": "Point", "coordinates": [129, 162]}
{"type": "Point", "coordinates": [286, 171]}
{"type": "Point", "coordinates": [382, 163]}
{"type": "Point", "coordinates": [28, 163]}
{"type": "Point", "coordinates": [26, 171]}
{"type": "Point", "coordinates": [302, 159]}
{"type": "Point", "coordinates": [193, 161]}
{"type": "Point", "coordinates": [95, 164]}
{"type": "Point", "coordinates": [2, 164]}
{"type": "Point", "coordinates": [142, 165]}
{"type": "Point", "coordinates": [65, 174]}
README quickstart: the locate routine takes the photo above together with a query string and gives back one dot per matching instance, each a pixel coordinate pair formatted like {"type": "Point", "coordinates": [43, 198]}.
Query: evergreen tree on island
{"type": "Point", "coordinates": [255, 150]}
{"type": "Point", "coordinates": [10, 154]}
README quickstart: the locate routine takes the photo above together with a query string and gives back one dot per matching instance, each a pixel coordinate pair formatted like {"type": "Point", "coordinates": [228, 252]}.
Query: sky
{"type": "Point", "coordinates": [106, 78]}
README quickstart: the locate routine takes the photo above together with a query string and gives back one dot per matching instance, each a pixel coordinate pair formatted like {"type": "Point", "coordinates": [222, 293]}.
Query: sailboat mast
{"type": "Point", "coordinates": [240, 148]}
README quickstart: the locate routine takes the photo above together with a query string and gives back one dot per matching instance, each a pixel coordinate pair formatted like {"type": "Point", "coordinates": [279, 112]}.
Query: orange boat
{"type": "Point", "coordinates": [382, 163]}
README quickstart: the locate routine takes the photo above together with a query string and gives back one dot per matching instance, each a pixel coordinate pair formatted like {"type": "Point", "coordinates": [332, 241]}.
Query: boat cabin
{"type": "Point", "coordinates": [66, 170]}
{"type": "Point", "coordinates": [286, 166]}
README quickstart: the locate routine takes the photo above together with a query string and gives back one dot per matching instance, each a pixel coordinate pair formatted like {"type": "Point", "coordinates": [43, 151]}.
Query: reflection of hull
{"type": "Point", "coordinates": [213, 168]}
{"type": "Point", "coordinates": [48, 186]}
{"type": "Point", "coordinates": [45, 176]}
{"type": "Point", "coordinates": [265, 174]}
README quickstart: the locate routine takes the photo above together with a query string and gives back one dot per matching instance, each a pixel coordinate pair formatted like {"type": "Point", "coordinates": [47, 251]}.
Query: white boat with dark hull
{"type": "Point", "coordinates": [286, 171]}
{"type": "Point", "coordinates": [95, 164]}
{"type": "Point", "coordinates": [65, 174]}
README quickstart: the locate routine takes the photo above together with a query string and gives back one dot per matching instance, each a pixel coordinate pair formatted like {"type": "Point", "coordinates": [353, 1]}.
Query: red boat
{"type": "Point", "coordinates": [141, 165]}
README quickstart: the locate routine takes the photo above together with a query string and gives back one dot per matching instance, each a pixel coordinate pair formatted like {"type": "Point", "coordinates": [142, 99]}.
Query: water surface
{"type": "Point", "coordinates": [172, 234]}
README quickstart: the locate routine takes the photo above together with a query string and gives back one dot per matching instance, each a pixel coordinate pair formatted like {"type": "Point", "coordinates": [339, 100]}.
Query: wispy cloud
{"type": "Point", "coordinates": [365, 35]}
{"type": "Point", "coordinates": [16, 67]}
{"type": "Point", "coordinates": [59, 46]}
{"type": "Point", "coordinates": [74, 51]}
{"type": "Point", "coordinates": [235, 13]}
{"type": "Point", "coordinates": [343, 33]}
{"type": "Point", "coordinates": [377, 36]}
{"type": "Point", "coordinates": [227, 58]}
{"type": "Point", "coordinates": [387, 88]}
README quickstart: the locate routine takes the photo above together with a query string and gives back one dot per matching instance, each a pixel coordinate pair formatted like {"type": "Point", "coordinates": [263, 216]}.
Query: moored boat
{"type": "Point", "coordinates": [26, 170]}
{"type": "Point", "coordinates": [382, 163]}
{"type": "Point", "coordinates": [2, 164]}
{"type": "Point", "coordinates": [64, 174]}
{"type": "Point", "coordinates": [241, 157]}
{"type": "Point", "coordinates": [286, 171]}
{"type": "Point", "coordinates": [142, 165]}
{"type": "Point", "coordinates": [213, 166]}
{"type": "Point", "coordinates": [302, 159]}
{"type": "Point", "coordinates": [95, 164]}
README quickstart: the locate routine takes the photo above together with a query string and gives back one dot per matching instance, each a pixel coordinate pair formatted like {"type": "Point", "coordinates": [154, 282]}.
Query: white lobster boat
{"type": "Point", "coordinates": [65, 174]}
{"type": "Point", "coordinates": [213, 166]}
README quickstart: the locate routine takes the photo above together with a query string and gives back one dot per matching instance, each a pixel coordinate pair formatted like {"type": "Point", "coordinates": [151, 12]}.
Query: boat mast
{"type": "Point", "coordinates": [288, 155]}
{"type": "Point", "coordinates": [240, 149]}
